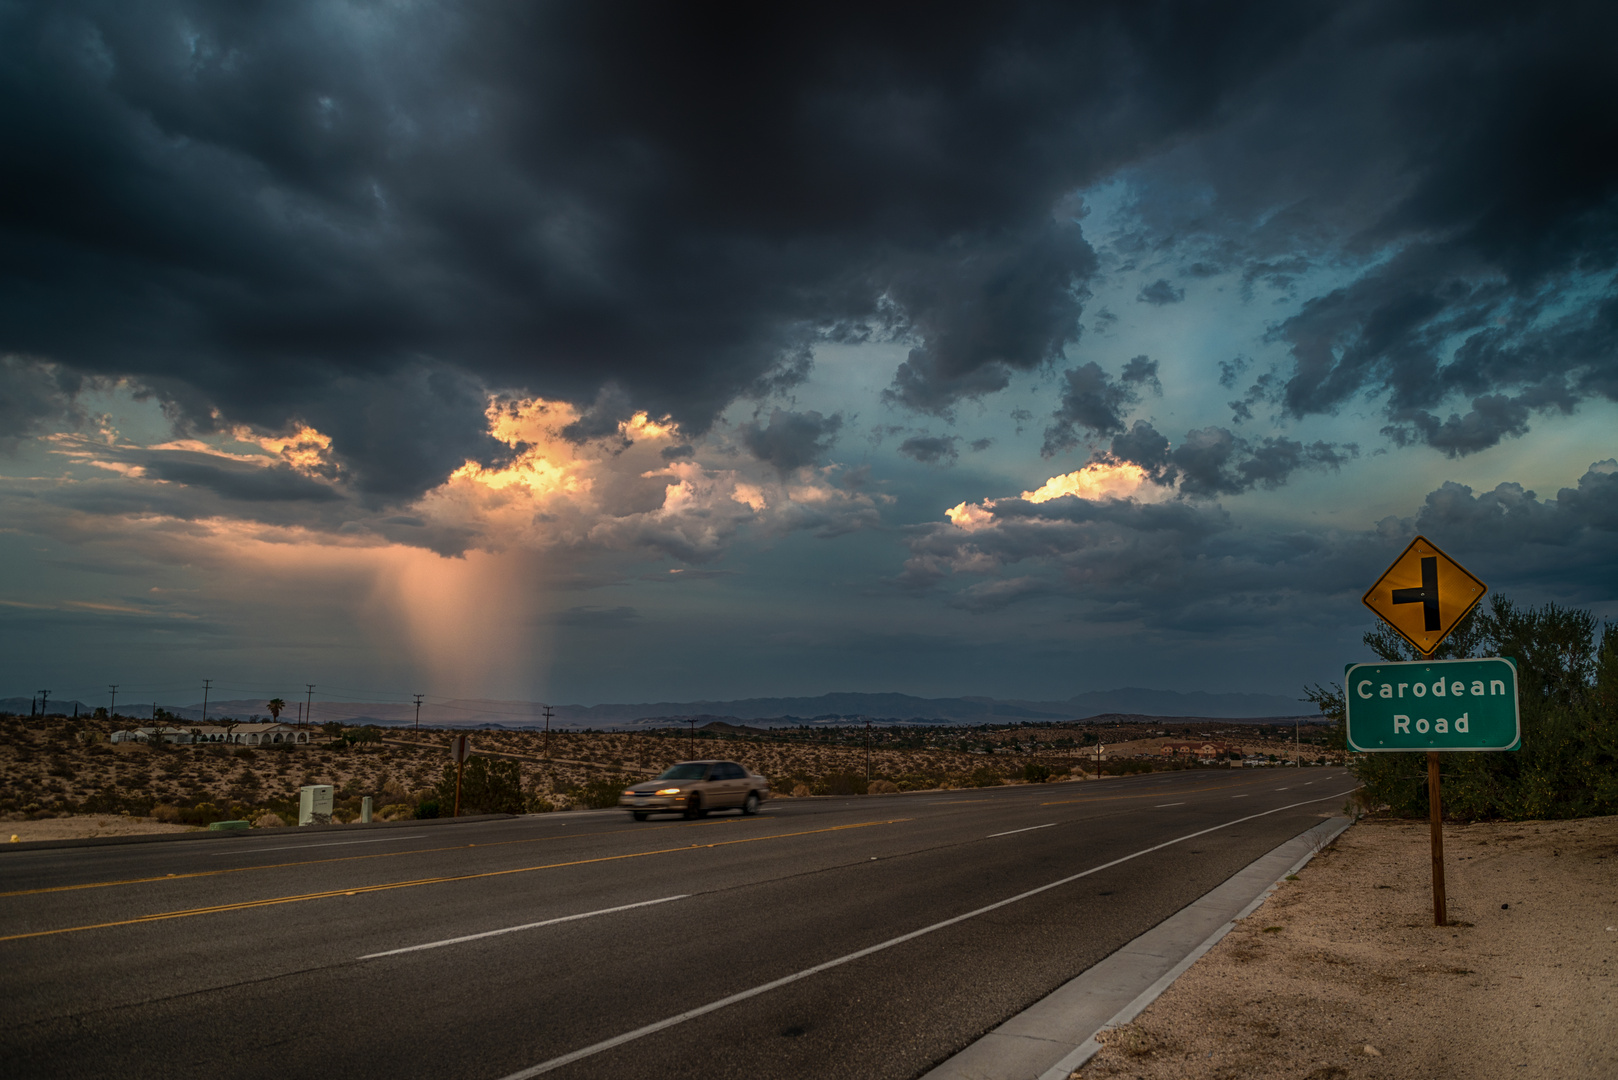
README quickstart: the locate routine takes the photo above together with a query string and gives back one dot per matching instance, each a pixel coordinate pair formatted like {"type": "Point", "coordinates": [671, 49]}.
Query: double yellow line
{"type": "Point", "coordinates": [357, 890]}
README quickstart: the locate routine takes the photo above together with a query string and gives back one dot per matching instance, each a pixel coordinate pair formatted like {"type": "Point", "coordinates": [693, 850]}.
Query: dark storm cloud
{"type": "Point", "coordinates": [35, 397]}
{"type": "Point", "coordinates": [932, 449]}
{"type": "Point", "coordinates": [266, 213]}
{"type": "Point", "coordinates": [1160, 292]}
{"type": "Point", "coordinates": [248, 483]}
{"type": "Point", "coordinates": [792, 440]}
{"type": "Point", "coordinates": [1213, 461]}
{"type": "Point", "coordinates": [1186, 567]}
{"type": "Point", "coordinates": [1476, 187]}
{"type": "Point", "coordinates": [1091, 401]}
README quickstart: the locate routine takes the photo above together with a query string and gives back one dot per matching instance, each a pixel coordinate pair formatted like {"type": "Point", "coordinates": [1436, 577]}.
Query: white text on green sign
{"type": "Point", "coordinates": [1432, 705]}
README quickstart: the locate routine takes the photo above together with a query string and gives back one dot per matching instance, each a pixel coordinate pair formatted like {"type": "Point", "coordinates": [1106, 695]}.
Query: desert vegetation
{"type": "Point", "coordinates": [58, 765]}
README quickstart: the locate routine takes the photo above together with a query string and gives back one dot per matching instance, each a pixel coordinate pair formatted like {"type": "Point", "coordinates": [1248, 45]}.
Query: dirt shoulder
{"type": "Point", "coordinates": [1342, 974]}
{"type": "Point", "coordinates": [80, 826]}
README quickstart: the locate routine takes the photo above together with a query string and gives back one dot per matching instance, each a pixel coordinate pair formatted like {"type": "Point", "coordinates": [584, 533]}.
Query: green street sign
{"type": "Point", "coordinates": [1432, 705]}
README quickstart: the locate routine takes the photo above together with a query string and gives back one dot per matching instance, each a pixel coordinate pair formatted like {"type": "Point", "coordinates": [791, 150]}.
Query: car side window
{"type": "Point", "coordinates": [735, 772]}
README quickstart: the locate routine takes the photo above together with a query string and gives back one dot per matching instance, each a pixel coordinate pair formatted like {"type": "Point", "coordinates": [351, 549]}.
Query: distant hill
{"type": "Point", "coordinates": [826, 708]}
{"type": "Point", "coordinates": [22, 706]}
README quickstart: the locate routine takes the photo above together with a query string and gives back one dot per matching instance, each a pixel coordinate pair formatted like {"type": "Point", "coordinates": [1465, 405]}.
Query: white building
{"type": "Point", "coordinates": [265, 734]}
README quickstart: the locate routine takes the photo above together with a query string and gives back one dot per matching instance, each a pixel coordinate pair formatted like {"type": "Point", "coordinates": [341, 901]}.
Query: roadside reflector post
{"type": "Point", "coordinates": [459, 748]}
{"type": "Point", "coordinates": [365, 810]}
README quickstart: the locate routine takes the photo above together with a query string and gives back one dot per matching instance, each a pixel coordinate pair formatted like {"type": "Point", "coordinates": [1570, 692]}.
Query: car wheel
{"type": "Point", "coordinates": [750, 805]}
{"type": "Point", "coordinates": [639, 815]}
{"type": "Point", "coordinates": [693, 807]}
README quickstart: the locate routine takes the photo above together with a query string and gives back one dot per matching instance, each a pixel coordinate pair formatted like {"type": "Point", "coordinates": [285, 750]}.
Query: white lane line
{"type": "Point", "coordinates": [307, 847]}
{"type": "Point", "coordinates": [1160, 805]}
{"type": "Point", "coordinates": [1009, 832]}
{"type": "Point", "coordinates": [786, 980]}
{"type": "Point", "coordinates": [524, 926]}
{"type": "Point", "coordinates": [1281, 789]}
{"type": "Point", "coordinates": [1238, 796]}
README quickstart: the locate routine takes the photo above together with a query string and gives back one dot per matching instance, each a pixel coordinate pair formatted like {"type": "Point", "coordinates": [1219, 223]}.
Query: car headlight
{"type": "Point", "coordinates": [669, 791]}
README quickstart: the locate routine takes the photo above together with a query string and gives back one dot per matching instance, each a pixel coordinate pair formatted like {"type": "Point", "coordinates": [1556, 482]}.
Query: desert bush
{"type": "Point", "coordinates": [984, 777]}
{"type": "Point", "coordinates": [244, 752]}
{"type": "Point", "coordinates": [601, 792]}
{"type": "Point", "coordinates": [841, 784]}
{"type": "Point", "coordinates": [487, 787]}
{"type": "Point", "coordinates": [801, 791]}
{"type": "Point", "coordinates": [396, 812]}
{"type": "Point", "coordinates": [883, 787]}
{"type": "Point", "coordinates": [427, 808]}
{"type": "Point", "coordinates": [269, 819]}
{"type": "Point", "coordinates": [1036, 772]}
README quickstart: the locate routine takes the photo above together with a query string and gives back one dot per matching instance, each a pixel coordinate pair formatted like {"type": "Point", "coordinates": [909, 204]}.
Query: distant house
{"type": "Point", "coordinates": [209, 733]}
{"type": "Point", "coordinates": [265, 734]}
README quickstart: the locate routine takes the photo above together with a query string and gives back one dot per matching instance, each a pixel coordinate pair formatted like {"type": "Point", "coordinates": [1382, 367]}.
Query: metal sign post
{"type": "Point", "coordinates": [460, 747]}
{"type": "Point", "coordinates": [1440, 706]}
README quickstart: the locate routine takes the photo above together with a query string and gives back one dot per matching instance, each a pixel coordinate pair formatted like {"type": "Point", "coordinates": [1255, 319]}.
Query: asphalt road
{"type": "Point", "coordinates": [254, 956]}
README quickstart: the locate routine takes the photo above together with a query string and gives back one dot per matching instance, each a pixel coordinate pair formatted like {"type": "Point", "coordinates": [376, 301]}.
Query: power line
{"type": "Point", "coordinates": [418, 717]}
{"type": "Point", "coordinates": [207, 684]}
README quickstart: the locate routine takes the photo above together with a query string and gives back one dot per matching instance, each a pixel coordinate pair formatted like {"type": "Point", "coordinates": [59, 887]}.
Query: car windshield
{"type": "Point", "coordinates": [690, 770]}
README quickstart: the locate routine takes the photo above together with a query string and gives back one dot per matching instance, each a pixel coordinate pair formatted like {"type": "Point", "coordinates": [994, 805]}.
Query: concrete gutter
{"type": "Point", "coordinates": [250, 836]}
{"type": "Point", "coordinates": [1056, 1036]}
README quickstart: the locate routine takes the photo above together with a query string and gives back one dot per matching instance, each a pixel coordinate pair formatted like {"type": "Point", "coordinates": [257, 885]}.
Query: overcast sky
{"type": "Point", "coordinates": [594, 352]}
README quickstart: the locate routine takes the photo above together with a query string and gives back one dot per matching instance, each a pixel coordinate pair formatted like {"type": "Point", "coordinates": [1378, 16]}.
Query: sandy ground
{"type": "Point", "coordinates": [82, 825]}
{"type": "Point", "coordinates": [1343, 974]}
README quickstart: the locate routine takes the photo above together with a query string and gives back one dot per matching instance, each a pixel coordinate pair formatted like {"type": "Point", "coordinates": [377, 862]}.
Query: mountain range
{"type": "Point", "coordinates": [836, 707]}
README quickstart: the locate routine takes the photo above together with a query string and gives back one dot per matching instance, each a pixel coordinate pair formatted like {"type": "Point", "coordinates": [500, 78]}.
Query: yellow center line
{"type": "Point", "coordinates": [358, 889]}
{"type": "Point", "coordinates": [1154, 794]}
{"type": "Point", "coordinates": [346, 858]}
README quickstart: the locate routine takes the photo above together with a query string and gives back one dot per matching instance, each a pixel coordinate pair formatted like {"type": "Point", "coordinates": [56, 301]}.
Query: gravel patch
{"type": "Point", "coordinates": [1342, 974]}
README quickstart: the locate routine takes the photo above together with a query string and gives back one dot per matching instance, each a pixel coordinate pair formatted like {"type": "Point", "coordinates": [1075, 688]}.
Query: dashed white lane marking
{"type": "Point", "coordinates": [1009, 832]}
{"type": "Point", "coordinates": [1160, 805]}
{"type": "Point", "coordinates": [786, 980]}
{"type": "Point", "coordinates": [306, 847]}
{"type": "Point", "coordinates": [524, 926]}
{"type": "Point", "coordinates": [1238, 796]}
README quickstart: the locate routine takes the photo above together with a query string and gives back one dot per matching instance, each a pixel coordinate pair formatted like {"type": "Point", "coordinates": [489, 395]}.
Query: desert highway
{"type": "Point", "coordinates": [862, 937]}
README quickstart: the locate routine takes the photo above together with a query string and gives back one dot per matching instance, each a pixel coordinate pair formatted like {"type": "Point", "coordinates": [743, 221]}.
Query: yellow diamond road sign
{"type": "Point", "coordinates": [1424, 594]}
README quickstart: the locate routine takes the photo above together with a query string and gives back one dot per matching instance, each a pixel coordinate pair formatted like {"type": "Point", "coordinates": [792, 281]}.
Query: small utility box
{"type": "Point", "coordinates": [314, 804]}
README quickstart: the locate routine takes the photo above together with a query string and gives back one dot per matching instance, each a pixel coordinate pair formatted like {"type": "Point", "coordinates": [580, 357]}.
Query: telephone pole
{"type": "Point", "coordinates": [44, 698]}
{"type": "Point", "coordinates": [112, 710]}
{"type": "Point", "coordinates": [693, 742]}
{"type": "Point", "coordinates": [867, 752]}
{"type": "Point", "coordinates": [309, 707]}
{"type": "Point", "coordinates": [548, 715]}
{"type": "Point", "coordinates": [418, 717]}
{"type": "Point", "coordinates": [207, 684]}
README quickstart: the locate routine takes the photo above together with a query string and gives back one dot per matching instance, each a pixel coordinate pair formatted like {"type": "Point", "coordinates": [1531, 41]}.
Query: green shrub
{"type": "Point", "coordinates": [840, 784]}
{"type": "Point", "coordinates": [1036, 772]}
{"type": "Point", "coordinates": [487, 787]}
{"type": "Point", "coordinates": [984, 777]}
{"type": "Point", "coordinates": [427, 808]}
{"type": "Point", "coordinates": [601, 792]}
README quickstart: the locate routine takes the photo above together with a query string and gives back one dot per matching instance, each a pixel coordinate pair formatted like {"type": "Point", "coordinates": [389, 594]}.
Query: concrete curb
{"type": "Point", "coordinates": [1057, 1035]}
{"type": "Point", "coordinates": [250, 836]}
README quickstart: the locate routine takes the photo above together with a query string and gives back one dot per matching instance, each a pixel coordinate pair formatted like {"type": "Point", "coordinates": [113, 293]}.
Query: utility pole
{"type": "Point", "coordinates": [867, 751]}
{"type": "Point", "coordinates": [44, 699]}
{"type": "Point", "coordinates": [548, 715]}
{"type": "Point", "coordinates": [207, 684]}
{"type": "Point", "coordinates": [309, 707]}
{"type": "Point", "coordinates": [112, 710]}
{"type": "Point", "coordinates": [693, 742]}
{"type": "Point", "coordinates": [418, 717]}
{"type": "Point", "coordinates": [1297, 748]}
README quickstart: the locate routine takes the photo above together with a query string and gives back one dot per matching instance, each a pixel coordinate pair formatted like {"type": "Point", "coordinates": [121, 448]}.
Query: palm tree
{"type": "Point", "coordinates": [275, 705]}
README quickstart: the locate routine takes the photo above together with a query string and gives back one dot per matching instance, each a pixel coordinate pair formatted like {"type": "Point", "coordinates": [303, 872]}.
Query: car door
{"type": "Point", "coordinates": [734, 778]}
